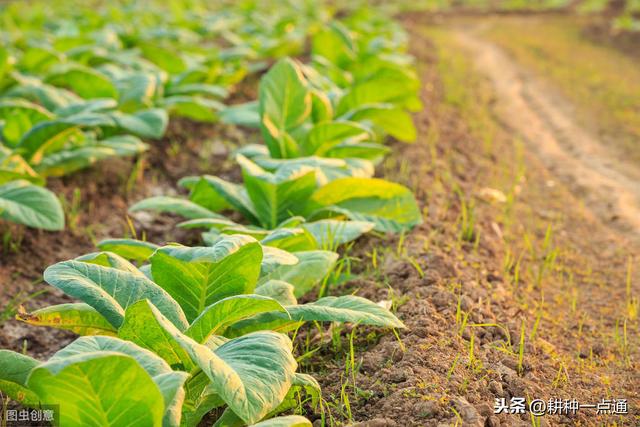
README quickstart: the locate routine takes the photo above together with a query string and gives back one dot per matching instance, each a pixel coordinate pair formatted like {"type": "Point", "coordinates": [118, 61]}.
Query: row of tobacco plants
{"type": "Point", "coordinates": [171, 335]}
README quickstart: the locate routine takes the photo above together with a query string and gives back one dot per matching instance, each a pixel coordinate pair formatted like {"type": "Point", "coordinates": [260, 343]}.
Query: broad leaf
{"type": "Point", "coordinates": [390, 206]}
{"type": "Point", "coordinates": [79, 318]}
{"type": "Point", "coordinates": [284, 103]}
{"type": "Point", "coordinates": [136, 250]}
{"type": "Point", "coordinates": [277, 196]}
{"type": "Point", "coordinates": [251, 374]}
{"type": "Point", "coordinates": [349, 308]}
{"type": "Point", "coordinates": [232, 194]}
{"type": "Point", "coordinates": [169, 383]}
{"type": "Point", "coordinates": [197, 277]}
{"type": "Point", "coordinates": [312, 267]}
{"type": "Point", "coordinates": [173, 205]}
{"type": "Point", "coordinates": [280, 291]}
{"type": "Point", "coordinates": [70, 160]}
{"type": "Point", "coordinates": [332, 233]}
{"type": "Point", "coordinates": [110, 290]}
{"type": "Point", "coordinates": [85, 388]}
{"type": "Point", "coordinates": [86, 82]}
{"type": "Point", "coordinates": [216, 317]}
{"type": "Point", "coordinates": [147, 328]}
{"type": "Point", "coordinates": [326, 135]}
{"type": "Point", "coordinates": [286, 421]}
{"type": "Point", "coordinates": [25, 203]}
{"type": "Point", "coordinates": [14, 372]}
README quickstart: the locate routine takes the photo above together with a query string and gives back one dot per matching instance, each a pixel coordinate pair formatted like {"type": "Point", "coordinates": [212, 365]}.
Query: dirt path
{"type": "Point", "coordinates": [610, 188]}
{"type": "Point", "coordinates": [532, 302]}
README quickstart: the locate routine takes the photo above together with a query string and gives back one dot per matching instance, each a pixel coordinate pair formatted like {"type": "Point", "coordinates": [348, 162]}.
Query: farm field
{"type": "Point", "coordinates": [305, 213]}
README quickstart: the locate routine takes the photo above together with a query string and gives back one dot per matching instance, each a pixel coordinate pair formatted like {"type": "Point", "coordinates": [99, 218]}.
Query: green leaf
{"type": "Point", "coordinates": [72, 159]}
{"type": "Point", "coordinates": [246, 114]}
{"type": "Point", "coordinates": [205, 193]}
{"type": "Point", "coordinates": [273, 258]}
{"type": "Point", "coordinates": [335, 43]}
{"type": "Point", "coordinates": [49, 96]}
{"type": "Point", "coordinates": [109, 259]}
{"type": "Point", "coordinates": [174, 205]}
{"type": "Point", "coordinates": [326, 169]}
{"type": "Point", "coordinates": [19, 116]}
{"type": "Point", "coordinates": [137, 90]}
{"type": "Point", "coordinates": [14, 372]}
{"type": "Point", "coordinates": [86, 106]}
{"type": "Point", "coordinates": [233, 194]}
{"type": "Point", "coordinates": [198, 277]}
{"type": "Point", "coordinates": [216, 317]}
{"type": "Point", "coordinates": [45, 136]}
{"type": "Point", "coordinates": [321, 108]}
{"type": "Point", "coordinates": [390, 206]}
{"type": "Point", "coordinates": [151, 123]}
{"type": "Point", "coordinates": [193, 107]}
{"type": "Point", "coordinates": [392, 120]}
{"type": "Point", "coordinates": [252, 373]}
{"type": "Point", "coordinates": [312, 267]}
{"type": "Point", "coordinates": [110, 290]}
{"type": "Point", "coordinates": [348, 308]}
{"type": "Point", "coordinates": [164, 58]}
{"type": "Point", "coordinates": [86, 82]}
{"type": "Point", "coordinates": [286, 421]}
{"type": "Point", "coordinates": [198, 89]}
{"type": "Point", "coordinates": [147, 328]}
{"type": "Point", "coordinates": [199, 400]}
{"type": "Point", "coordinates": [284, 103]}
{"type": "Point", "coordinates": [371, 151]}
{"type": "Point", "coordinates": [291, 239]}
{"type": "Point", "coordinates": [150, 362]}
{"type": "Point", "coordinates": [387, 85]}
{"type": "Point", "coordinates": [278, 196]}
{"type": "Point", "coordinates": [326, 135]}
{"type": "Point", "coordinates": [302, 383]}
{"type": "Point", "coordinates": [25, 203]}
{"type": "Point", "coordinates": [168, 382]}
{"type": "Point", "coordinates": [136, 250]}
{"type": "Point", "coordinates": [84, 388]}
{"type": "Point", "coordinates": [208, 223]}
{"type": "Point", "coordinates": [279, 291]}
{"type": "Point", "coordinates": [78, 318]}
{"type": "Point", "coordinates": [332, 233]}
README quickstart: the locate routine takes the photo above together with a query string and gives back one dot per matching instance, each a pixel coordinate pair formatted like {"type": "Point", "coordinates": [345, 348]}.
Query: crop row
{"type": "Point", "coordinates": [180, 332]}
{"type": "Point", "coordinates": [78, 85]}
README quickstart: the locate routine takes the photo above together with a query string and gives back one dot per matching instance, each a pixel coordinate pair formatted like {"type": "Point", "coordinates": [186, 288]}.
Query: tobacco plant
{"type": "Point", "coordinates": [208, 312]}
{"type": "Point", "coordinates": [267, 199]}
{"type": "Point", "coordinates": [104, 380]}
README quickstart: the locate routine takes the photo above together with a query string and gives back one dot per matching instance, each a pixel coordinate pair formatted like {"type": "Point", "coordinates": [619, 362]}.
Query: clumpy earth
{"type": "Point", "coordinates": [510, 288]}
{"type": "Point", "coordinates": [513, 287]}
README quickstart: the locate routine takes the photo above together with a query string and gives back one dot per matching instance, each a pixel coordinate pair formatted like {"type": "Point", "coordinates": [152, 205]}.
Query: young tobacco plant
{"type": "Point", "coordinates": [103, 380]}
{"type": "Point", "coordinates": [267, 199]}
{"type": "Point", "coordinates": [214, 313]}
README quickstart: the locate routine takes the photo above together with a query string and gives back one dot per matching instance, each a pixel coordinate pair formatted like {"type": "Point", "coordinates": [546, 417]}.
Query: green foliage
{"type": "Point", "coordinates": [28, 204]}
{"type": "Point", "coordinates": [181, 331]}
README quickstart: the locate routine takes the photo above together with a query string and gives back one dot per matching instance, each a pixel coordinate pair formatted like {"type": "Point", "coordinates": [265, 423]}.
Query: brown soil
{"type": "Point", "coordinates": [429, 377]}
{"type": "Point", "coordinates": [546, 122]}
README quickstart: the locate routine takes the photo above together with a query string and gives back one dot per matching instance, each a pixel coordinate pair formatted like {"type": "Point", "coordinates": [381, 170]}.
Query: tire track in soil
{"type": "Point", "coordinates": [609, 187]}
